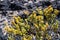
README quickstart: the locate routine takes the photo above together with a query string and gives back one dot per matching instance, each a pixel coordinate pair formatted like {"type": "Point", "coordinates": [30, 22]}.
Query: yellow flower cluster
{"type": "Point", "coordinates": [21, 26]}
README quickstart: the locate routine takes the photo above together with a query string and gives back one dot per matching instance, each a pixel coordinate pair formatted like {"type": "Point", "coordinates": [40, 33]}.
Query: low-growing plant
{"type": "Point", "coordinates": [36, 24]}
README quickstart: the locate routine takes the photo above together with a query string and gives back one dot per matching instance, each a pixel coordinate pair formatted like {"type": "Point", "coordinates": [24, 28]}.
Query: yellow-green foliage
{"type": "Point", "coordinates": [41, 22]}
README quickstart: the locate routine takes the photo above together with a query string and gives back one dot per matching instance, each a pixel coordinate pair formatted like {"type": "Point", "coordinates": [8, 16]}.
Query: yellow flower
{"type": "Point", "coordinates": [39, 17]}
{"type": "Point", "coordinates": [47, 24]}
{"type": "Point", "coordinates": [8, 29]}
{"type": "Point", "coordinates": [25, 38]}
{"type": "Point", "coordinates": [48, 9]}
{"type": "Point", "coordinates": [43, 28]}
{"type": "Point", "coordinates": [40, 11]}
{"type": "Point", "coordinates": [16, 25]}
{"type": "Point", "coordinates": [30, 38]}
{"type": "Point", "coordinates": [56, 11]}
{"type": "Point", "coordinates": [23, 30]}
{"type": "Point", "coordinates": [36, 25]}
{"type": "Point", "coordinates": [16, 19]}
{"type": "Point", "coordinates": [17, 32]}
{"type": "Point", "coordinates": [42, 21]}
{"type": "Point", "coordinates": [19, 18]}
{"type": "Point", "coordinates": [33, 14]}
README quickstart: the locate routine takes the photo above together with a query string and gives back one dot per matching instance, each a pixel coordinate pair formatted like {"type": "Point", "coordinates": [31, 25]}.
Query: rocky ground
{"type": "Point", "coordinates": [10, 8]}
